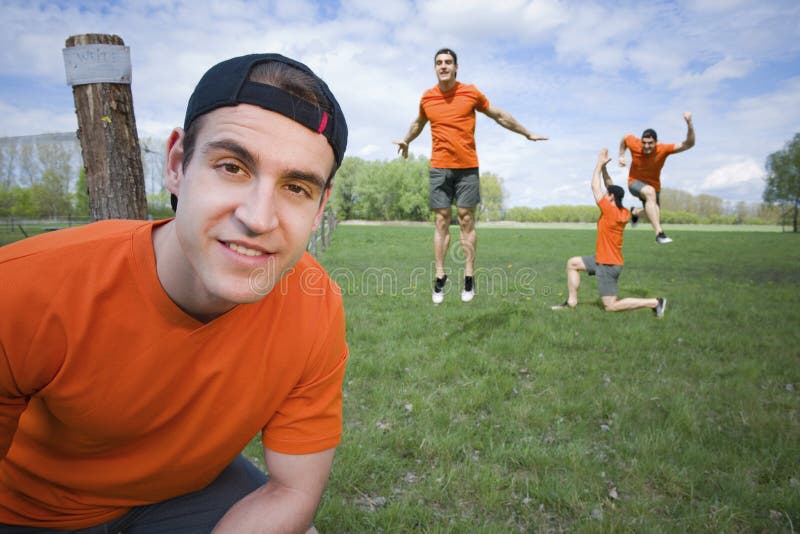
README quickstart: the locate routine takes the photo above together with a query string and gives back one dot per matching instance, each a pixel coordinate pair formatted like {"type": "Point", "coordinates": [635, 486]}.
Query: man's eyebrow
{"type": "Point", "coordinates": [235, 148]}
{"type": "Point", "coordinates": [310, 177]}
{"type": "Point", "coordinates": [247, 158]}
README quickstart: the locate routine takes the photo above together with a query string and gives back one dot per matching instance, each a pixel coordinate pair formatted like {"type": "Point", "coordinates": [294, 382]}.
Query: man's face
{"type": "Point", "coordinates": [648, 145]}
{"type": "Point", "coordinates": [445, 68]}
{"type": "Point", "coordinates": [249, 198]}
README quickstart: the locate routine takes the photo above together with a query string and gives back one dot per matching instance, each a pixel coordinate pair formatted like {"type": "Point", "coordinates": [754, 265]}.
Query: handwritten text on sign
{"type": "Point", "coordinates": [97, 63]}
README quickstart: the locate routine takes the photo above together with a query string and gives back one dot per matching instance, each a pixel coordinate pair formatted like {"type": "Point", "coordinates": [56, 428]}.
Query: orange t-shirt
{"type": "Point", "coordinates": [647, 168]}
{"type": "Point", "coordinates": [112, 397]}
{"type": "Point", "coordinates": [452, 118]}
{"type": "Point", "coordinates": [610, 227]}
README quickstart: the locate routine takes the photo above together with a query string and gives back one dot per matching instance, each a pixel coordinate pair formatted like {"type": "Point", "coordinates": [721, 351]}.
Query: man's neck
{"type": "Point", "coordinates": [447, 86]}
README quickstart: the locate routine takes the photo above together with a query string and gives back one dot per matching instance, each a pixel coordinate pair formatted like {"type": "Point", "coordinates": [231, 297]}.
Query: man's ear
{"type": "Point", "coordinates": [325, 196]}
{"type": "Point", "coordinates": [173, 170]}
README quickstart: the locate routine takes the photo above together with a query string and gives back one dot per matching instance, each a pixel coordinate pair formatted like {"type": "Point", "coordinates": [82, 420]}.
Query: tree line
{"type": "Point", "coordinates": [46, 180]}
{"type": "Point", "coordinates": [398, 190]}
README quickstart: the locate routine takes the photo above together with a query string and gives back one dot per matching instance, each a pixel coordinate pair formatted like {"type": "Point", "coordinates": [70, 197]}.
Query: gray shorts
{"type": "Point", "coordinates": [607, 275]}
{"type": "Point", "coordinates": [635, 187]}
{"type": "Point", "coordinates": [461, 185]}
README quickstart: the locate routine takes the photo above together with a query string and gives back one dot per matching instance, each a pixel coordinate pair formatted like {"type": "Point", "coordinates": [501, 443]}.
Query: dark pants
{"type": "Point", "coordinates": [193, 513]}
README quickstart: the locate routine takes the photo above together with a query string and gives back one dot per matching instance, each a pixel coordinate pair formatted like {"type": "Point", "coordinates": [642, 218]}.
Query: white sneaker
{"type": "Point", "coordinates": [467, 296]}
{"type": "Point", "coordinates": [438, 296]}
{"type": "Point", "coordinates": [661, 307]}
{"type": "Point", "coordinates": [662, 239]}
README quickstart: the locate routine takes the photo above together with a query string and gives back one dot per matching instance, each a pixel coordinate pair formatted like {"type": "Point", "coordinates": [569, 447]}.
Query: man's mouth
{"type": "Point", "coordinates": [240, 249]}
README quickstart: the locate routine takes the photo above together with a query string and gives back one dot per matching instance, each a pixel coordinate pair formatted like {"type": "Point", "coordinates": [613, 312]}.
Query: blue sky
{"type": "Point", "coordinates": [582, 72]}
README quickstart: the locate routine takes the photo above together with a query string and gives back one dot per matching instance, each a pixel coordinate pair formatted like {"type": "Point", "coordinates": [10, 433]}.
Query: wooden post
{"type": "Point", "coordinates": [106, 126]}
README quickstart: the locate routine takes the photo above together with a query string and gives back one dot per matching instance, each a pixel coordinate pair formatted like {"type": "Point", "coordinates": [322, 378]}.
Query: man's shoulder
{"type": "Point", "coordinates": [665, 148]}
{"type": "Point", "coordinates": [308, 280]}
{"type": "Point", "coordinates": [86, 237]}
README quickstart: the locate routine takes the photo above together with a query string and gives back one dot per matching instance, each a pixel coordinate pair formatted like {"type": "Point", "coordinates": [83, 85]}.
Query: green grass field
{"type": "Point", "coordinates": [503, 416]}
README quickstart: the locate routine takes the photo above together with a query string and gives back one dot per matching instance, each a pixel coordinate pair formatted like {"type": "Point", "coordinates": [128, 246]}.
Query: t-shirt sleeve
{"type": "Point", "coordinates": [604, 204]}
{"type": "Point", "coordinates": [310, 418]}
{"type": "Point", "coordinates": [12, 404]}
{"type": "Point", "coordinates": [481, 103]}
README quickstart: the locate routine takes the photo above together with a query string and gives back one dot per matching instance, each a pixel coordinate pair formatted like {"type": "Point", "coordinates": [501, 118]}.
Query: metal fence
{"type": "Point", "coordinates": [321, 238]}
{"type": "Point", "coordinates": [27, 227]}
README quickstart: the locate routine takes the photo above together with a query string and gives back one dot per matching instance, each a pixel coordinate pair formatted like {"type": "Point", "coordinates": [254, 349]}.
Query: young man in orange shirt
{"type": "Point", "coordinates": [137, 359]}
{"type": "Point", "coordinates": [607, 260]}
{"type": "Point", "coordinates": [450, 107]}
{"type": "Point", "coordinates": [644, 180]}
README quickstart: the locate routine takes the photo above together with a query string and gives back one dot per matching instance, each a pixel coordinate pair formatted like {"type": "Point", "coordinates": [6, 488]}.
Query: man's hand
{"type": "Point", "coordinates": [603, 158]}
{"type": "Point", "coordinates": [402, 148]}
{"type": "Point", "coordinates": [687, 116]}
{"type": "Point", "coordinates": [622, 161]}
{"type": "Point", "coordinates": [535, 137]}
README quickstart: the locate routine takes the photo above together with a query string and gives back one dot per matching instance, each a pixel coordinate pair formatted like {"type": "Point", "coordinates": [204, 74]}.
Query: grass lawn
{"type": "Point", "coordinates": [503, 416]}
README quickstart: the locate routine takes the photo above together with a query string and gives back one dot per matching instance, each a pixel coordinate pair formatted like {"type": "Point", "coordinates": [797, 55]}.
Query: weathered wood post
{"type": "Point", "coordinates": [98, 68]}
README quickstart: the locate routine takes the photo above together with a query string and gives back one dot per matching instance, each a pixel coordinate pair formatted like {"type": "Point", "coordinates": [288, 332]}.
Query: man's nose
{"type": "Point", "coordinates": [258, 211]}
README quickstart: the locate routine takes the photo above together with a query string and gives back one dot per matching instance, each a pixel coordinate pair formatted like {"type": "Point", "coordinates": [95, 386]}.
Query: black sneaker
{"type": "Point", "coordinates": [661, 307]}
{"type": "Point", "coordinates": [564, 306]}
{"type": "Point", "coordinates": [634, 218]}
{"type": "Point", "coordinates": [438, 290]}
{"type": "Point", "coordinates": [662, 239]}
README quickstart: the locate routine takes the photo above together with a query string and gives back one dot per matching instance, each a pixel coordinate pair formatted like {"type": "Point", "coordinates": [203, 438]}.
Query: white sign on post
{"type": "Point", "coordinates": [97, 63]}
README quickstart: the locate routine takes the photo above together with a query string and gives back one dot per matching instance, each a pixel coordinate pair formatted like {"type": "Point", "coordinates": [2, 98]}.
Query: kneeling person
{"type": "Point", "coordinates": [607, 260]}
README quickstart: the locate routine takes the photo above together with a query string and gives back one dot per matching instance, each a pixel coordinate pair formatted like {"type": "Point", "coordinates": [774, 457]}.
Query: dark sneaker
{"type": "Point", "coordinates": [634, 218]}
{"type": "Point", "coordinates": [564, 306]}
{"type": "Point", "coordinates": [662, 239]}
{"type": "Point", "coordinates": [661, 307]}
{"type": "Point", "coordinates": [438, 290]}
{"type": "Point", "coordinates": [469, 289]}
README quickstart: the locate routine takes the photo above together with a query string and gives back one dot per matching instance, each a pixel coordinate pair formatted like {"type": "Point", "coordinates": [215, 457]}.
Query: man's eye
{"type": "Point", "coordinates": [231, 168]}
{"type": "Point", "coordinates": [298, 190]}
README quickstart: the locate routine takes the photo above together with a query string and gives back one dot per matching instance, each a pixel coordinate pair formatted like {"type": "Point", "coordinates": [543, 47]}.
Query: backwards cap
{"type": "Point", "coordinates": [226, 84]}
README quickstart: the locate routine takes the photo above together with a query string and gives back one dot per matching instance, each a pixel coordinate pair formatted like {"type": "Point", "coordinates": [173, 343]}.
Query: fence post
{"type": "Point", "coordinates": [98, 68]}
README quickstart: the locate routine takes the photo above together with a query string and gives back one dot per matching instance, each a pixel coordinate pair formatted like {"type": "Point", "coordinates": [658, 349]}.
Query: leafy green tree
{"type": "Point", "coordinates": [80, 202]}
{"type": "Point", "coordinates": [492, 198]}
{"type": "Point", "coordinates": [783, 178]}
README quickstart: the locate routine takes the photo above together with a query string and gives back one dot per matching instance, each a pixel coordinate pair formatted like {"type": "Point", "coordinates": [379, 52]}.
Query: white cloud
{"type": "Point", "coordinates": [742, 179]}
{"type": "Point", "coordinates": [582, 72]}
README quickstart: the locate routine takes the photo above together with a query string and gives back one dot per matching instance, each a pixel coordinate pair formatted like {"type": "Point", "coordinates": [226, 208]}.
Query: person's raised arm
{"type": "Point", "coordinates": [413, 132]}
{"type": "Point", "coordinates": [623, 146]}
{"type": "Point", "coordinates": [504, 119]}
{"type": "Point", "coordinates": [600, 169]}
{"type": "Point", "coordinates": [288, 502]}
{"type": "Point", "coordinates": [687, 143]}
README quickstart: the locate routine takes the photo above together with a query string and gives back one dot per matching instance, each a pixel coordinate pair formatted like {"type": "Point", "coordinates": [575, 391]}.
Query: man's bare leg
{"type": "Point", "coordinates": [611, 304]}
{"type": "Point", "coordinates": [469, 238]}
{"type": "Point", "coordinates": [651, 208]}
{"type": "Point", "coordinates": [574, 267]}
{"type": "Point", "coordinates": [441, 238]}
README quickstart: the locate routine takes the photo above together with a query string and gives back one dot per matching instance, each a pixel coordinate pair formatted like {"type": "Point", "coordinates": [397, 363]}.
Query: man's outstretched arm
{"type": "Point", "coordinates": [689, 141]}
{"type": "Point", "coordinates": [413, 132]}
{"type": "Point", "coordinates": [600, 169]}
{"type": "Point", "coordinates": [504, 119]}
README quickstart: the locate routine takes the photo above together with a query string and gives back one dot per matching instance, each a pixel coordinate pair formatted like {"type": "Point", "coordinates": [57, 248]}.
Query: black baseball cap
{"type": "Point", "coordinates": [226, 84]}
